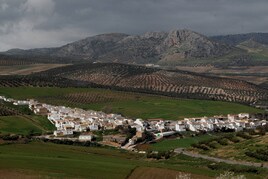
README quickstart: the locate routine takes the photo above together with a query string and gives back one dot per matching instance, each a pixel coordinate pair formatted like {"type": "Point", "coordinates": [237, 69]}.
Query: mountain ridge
{"type": "Point", "coordinates": [145, 48]}
{"type": "Point", "coordinates": [176, 47]}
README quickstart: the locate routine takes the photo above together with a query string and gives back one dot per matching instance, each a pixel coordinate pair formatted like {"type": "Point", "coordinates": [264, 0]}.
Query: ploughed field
{"type": "Point", "coordinates": [26, 69]}
{"type": "Point", "coordinates": [130, 104]}
{"type": "Point", "coordinates": [142, 79]}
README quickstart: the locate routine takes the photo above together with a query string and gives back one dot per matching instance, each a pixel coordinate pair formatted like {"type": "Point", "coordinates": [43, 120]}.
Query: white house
{"type": "Point", "coordinates": [85, 137]}
{"type": "Point", "coordinates": [93, 127]}
{"type": "Point", "coordinates": [180, 127]}
{"type": "Point", "coordinates": [243, 115]}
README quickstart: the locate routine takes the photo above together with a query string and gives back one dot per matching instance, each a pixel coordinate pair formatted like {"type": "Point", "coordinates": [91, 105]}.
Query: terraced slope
{"type": "Point", "coordinates": [152, 80]}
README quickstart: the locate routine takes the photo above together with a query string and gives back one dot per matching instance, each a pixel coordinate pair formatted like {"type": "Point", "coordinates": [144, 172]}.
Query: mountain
{"type": "Point", "coordinates": [236, 39]}
{"type": "Point", "coordinates": [152, 80]}
{"type": "Point", "coordinates": [151, 47]}
{"type": "Point", "coordinates": [177, 47]}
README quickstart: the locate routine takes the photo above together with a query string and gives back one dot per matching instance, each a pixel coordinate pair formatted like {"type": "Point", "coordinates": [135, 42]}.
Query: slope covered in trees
{"type": "Point", "coordinates": [158, 81]}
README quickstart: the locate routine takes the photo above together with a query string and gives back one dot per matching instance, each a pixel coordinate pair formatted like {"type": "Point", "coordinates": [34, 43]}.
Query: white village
{"type": "Point", "coordinates": [70, 120]}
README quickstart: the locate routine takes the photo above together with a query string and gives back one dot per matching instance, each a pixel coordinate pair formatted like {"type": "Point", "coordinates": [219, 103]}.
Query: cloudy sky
{"type": "Point", "coordinates": [47, 23]}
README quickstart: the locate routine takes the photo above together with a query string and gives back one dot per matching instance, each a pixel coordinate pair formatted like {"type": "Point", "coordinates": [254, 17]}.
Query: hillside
{"type": "Point", "coordinates": [176, 47]}
{"type": "Point", "coordinates": [151, 47]}
{"type": "Point", "coordinates": [21, 59]}
{"type": "Point", "coordinates": [152, 80]}
{"type": "Point", "coordinates": [236, 39]}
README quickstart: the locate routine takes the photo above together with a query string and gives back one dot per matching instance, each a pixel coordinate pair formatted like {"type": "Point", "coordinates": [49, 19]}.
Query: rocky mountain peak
{"type": "Point", "coordinates": [151, 47]}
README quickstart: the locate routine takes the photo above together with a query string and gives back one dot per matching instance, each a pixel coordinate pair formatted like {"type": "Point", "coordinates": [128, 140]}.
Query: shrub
{"type": "Point", "coordinates": [213, 144]}
{"type": "Point", "coordinates": [223, 141]}
{"type": "Point", "coordinates": [244, 135]}
{"type": "Point", "coordinates": [234, 168]}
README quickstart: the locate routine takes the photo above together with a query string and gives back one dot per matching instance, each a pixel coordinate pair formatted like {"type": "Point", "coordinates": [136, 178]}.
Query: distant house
{"type": "Point", "coordinates": [180, 127]}
{"type": "Point", "coordinates": [85, 137]}
{"type": "Point", "coordinates": [58, 133]}
{"type": "Point", "coordinates": [63, 132]}
{"type": "Point", "coordinates": [232, 117]}
{"type": "Point", "coordinates": [243, 115]}
{"type": "Point", "coordinates": [17, 103]}
{"type": "Point", "coordinates": [41, 111]}
{"type": "Point", "coordinates": [94, 127]}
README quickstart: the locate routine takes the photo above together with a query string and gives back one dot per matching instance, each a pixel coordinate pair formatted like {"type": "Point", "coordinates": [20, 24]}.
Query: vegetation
{"type": "Point", "coordinates": [170, 144]}
{"type": "Point", "coordinates": [127, 103]}
{"type": "Point", "coordinates": [248, 145]}
{"type": "Point", "coordinates": [261, 153]}
{"type": "Point", "coordinates": [60, 161]}
{"type": "Point", "coordinates": [24, 125]}
{"type": "Point", "coordinates": [234, 168]}
{"type": "Point", "coordinates": [134, 78]}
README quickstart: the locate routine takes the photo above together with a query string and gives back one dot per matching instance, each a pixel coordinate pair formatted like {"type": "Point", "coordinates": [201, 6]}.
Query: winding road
{"type": "Point", "coordinates": [215, 159]}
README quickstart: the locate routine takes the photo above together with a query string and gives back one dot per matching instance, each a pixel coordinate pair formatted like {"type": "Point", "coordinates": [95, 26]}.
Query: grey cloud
{"type": "Point", "coordinates": [44, 23]}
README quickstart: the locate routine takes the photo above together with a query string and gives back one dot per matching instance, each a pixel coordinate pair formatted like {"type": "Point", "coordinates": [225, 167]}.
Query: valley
{"type": "Point", "coordinates": [158, 79]}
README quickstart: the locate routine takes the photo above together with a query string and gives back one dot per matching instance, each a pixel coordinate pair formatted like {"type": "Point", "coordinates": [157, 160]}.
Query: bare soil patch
{"type": "Point", "coordinates": [7, 174]}
{"type": "Point", "coordinates": [27, 69]}
{"type": "Point", "coordinates": [249, 74]}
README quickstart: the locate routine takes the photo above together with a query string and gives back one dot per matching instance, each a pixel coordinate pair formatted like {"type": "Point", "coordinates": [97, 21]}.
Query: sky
{"type": "Point", "coordinates": [49, 23]}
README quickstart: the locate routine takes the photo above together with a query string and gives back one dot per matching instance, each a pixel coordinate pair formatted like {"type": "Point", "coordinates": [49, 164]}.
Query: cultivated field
{"type": "Point", "coordinates": [252, 74]}
{"type": "Point", "coordinates": [24, 125]}
{"type": "Point", "coordinates": [170, 144]}
{"type": "Point", "coordinates": [27, 69]}
{"type": "Point", "coordinates": [129, 104]}
{"type": "Point", "coordinates": [45, 159]}
{"type": "Point", "coordinates": [61, 161]}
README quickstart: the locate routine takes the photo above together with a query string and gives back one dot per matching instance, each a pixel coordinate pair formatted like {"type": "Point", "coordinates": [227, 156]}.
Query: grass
{"type": "Point", "coordinates": [65, 161]}
{"type": "Point", "coordinates": [72, 161]}
{"type": "Point", "coordinates": [24, 125]}
{"type": "Point", "coordinates": [133, 105]}
{"type": "Point", "coordinates": [62, 161]}
{"type": "Point", "coordinates": [17, 125]}
{"type": "Point", "coordinates": [170, 144]}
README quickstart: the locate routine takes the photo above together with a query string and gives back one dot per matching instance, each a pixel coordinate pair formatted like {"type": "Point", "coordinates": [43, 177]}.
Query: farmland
{"type": "Point", "coordinates": [157, 81]}
{"type": "Point", "coordinates": [60, 161]}
{"type": "Point", "coordinates": [171, 144]}
{"type": "Point", "coordinates": [26, 69]}
{"type": "Point", "coordinates": [24, 125]}
{"type": "Point", "coordinates": [74, 161]}
{"type": "Point", "coordinates": [127, 103]}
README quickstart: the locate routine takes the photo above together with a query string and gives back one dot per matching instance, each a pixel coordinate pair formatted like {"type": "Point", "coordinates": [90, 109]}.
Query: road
{"type": "Point", "coordinates": [215, 159]}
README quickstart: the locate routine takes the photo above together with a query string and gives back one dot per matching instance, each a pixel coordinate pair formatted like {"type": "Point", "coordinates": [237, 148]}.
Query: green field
{"type": "Point", "coordinates": [24, 125]}
{"type": "Point", "coordinates": [73, 161]}
{"type": "Point", "coordinates": [61, 161]}
{"type": "Point", "coordinates": [170, 144]}
{"type": "Point", "coordinates": [133, 105]}
{"type": "Point", "coordinates": [64, 161]}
